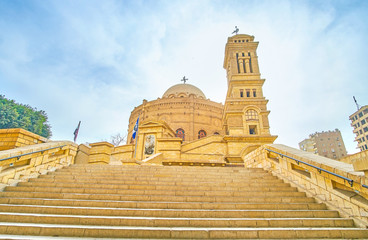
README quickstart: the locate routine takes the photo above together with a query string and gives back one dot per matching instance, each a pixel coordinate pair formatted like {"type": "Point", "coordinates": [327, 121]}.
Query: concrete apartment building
{"type": "Point", "coordinates": [359, 121]}
{"type": "Point", "coordinates": [328, 144]}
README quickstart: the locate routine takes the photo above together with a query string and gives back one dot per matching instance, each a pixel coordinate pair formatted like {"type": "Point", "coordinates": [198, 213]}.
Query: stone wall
{"type": "Point", "coordinates": [354, 157]}
{"type": "Point", "coordinates": [188, 113]}
{"type": "Point", "coordinates": [18, 137]}
{"type": "Point", "coordinates": [348, 196]}
{"type": "Point", "coordinates": [26, 162]}
{"type": "Point", "coordinates": [124, 154]}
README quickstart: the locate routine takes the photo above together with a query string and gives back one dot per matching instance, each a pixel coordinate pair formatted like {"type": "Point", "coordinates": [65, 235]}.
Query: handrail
{"type": "Point", "coordinates": [350, 181]}
{"type": "Point", "coordinates": [21, 155]}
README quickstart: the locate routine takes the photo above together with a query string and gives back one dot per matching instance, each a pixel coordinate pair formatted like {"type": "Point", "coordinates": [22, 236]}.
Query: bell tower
{"type": "Point", "coordinates": [245, 112]}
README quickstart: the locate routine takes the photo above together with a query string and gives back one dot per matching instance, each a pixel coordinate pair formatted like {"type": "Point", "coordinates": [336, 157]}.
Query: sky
{"type": "Point", "coordinates": [93, 61]}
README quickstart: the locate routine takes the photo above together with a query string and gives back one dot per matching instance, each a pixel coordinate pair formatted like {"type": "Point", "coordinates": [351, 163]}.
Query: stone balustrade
{"type": "Point", "coordinates": [18, 137]}
{"type": "Point", "coordinates": [30, 161]}
{"type": "Point", "coordinates": [340, 187]}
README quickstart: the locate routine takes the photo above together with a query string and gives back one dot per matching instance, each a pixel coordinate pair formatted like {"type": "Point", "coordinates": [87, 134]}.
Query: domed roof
{"type": "Point", "coordinates": [183, 90]}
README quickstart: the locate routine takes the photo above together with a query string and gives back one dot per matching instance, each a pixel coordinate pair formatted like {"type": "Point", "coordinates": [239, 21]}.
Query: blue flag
{"type": "Point", "coordinates": [135, 129]}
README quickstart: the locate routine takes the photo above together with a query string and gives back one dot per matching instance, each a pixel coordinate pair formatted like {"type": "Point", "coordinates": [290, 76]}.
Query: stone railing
{"type": "Point", "coordinates": [26, 162]}
{"type": "Point", "coordinates": [329, 181]}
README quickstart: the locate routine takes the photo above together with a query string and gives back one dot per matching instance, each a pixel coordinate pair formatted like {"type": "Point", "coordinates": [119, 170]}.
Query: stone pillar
{"type": "Point", "coordinates": [100, 153]}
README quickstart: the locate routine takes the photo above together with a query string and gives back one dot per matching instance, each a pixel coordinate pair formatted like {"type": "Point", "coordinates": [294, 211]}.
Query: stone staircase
{"type": "Point", "coordinates": [131, 201]}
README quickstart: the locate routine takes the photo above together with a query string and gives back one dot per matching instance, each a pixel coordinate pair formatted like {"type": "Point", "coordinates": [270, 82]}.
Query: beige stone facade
{"type": "Point", "coordinates": [327, 143]}
{"type": "Point", "coordinates": [359, 121]}
{"type": "Point", "coordinates": [185, 110]}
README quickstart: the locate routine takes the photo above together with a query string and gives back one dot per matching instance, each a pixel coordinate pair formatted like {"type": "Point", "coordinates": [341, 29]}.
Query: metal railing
{"type": "Point", "coordinates": [41, 151]}
{"type": "Point", "coordinates": [350, 181]}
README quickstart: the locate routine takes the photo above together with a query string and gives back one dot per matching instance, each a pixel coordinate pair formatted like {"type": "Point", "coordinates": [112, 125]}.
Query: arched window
{"type": "Point", "coordinates": [251, 115]}
{"type": "Point", "coordinates": [201, 134]}
{"type": "Point", "coordinates": [216, 133]}
{"type": "Point", "coordinates": [180, 133]}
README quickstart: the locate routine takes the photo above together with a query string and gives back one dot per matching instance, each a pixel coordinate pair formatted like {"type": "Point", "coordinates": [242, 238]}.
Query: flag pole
{"type": "Point", "coordinates": [135, 149]}
{"type": "Point", "coordinates": [76, 132]}
{"type": "Point", "coordinates": [136, 138]}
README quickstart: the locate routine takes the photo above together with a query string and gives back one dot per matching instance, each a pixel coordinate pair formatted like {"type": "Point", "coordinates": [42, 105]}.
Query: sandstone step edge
{"type": "Point", "coordinates": [180, 232]}
{"type": "Point", "coordinates": [220, 213]}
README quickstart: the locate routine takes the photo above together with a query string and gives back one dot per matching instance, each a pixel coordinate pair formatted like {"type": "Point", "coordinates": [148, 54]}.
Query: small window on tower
{"type": "Point", "coordinates": [248, 92]}
{"type": "Point", "coordinates": [241, 93]}
{"type": "Point", "coordinates": [254, 93]}
{"type": "Point", "coordinates": [252, 129]}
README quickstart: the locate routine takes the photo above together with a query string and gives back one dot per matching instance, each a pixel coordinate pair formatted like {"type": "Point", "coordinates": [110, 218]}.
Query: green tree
{"type": "Point", "coordinates": [15, 115]}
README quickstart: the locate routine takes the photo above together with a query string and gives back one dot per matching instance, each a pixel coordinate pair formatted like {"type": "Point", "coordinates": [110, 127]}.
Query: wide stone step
{"type": "Point", "coordinates": [178, 232]}
{"type": "Point", "coordinates": [156, 187]}
{"type": "Point", "coordinates": [166, 174]}
{"type": "Point", "coordinates": [172, 222]}
{"type": "Point", "coordinates": [77, 201]}
{"type": "Point", "coordinates": [265, 183]}
{"type": "Point", "coordinates": [158, 178]}
{"type": "Point", "coordinates": [154, 168]}
{"type": "Point", "coordinates": [166, 198]}
{"type": "Point", "coordinates": [165, 192]}
{"type": "Point", "coordinates": [84, 208]}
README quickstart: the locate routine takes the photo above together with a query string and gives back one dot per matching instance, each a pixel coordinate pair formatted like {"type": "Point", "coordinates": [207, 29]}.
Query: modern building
{"type": "Point", "coordinates": [359, 121]}
{"type": "Point", "coordinates": [328, 144]}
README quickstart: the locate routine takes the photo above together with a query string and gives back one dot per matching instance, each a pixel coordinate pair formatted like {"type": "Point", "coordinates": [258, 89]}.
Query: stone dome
{"type": "Point", "coordinates": [183, 90]}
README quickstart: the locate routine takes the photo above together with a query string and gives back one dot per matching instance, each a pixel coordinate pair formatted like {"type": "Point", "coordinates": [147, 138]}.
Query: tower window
{"type": "Point", "coordinates": [237, 61]}
{"type": "Point", "coordinates": [180, 133]}
{"type": "Point", "coordinates": [248, 92]}
{"type": "Point", "coordinates": [251, 115]}
{"type": "Point", "coordinates": [202, 134]}
{"type": "Point", "coordinates": [254, 93]}
{"type": "Point", "coordinates": [252, 129]}
{"type": "Point", "coordinates": [241, 93]}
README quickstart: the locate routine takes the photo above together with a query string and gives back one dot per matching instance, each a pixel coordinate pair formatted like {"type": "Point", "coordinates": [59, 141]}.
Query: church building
{"type": "Point", "coordinates": [186, 115]}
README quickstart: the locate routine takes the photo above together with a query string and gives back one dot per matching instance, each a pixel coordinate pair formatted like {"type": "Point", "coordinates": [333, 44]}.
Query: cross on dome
{"type": "Point", "coordinates": [184, 79]}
